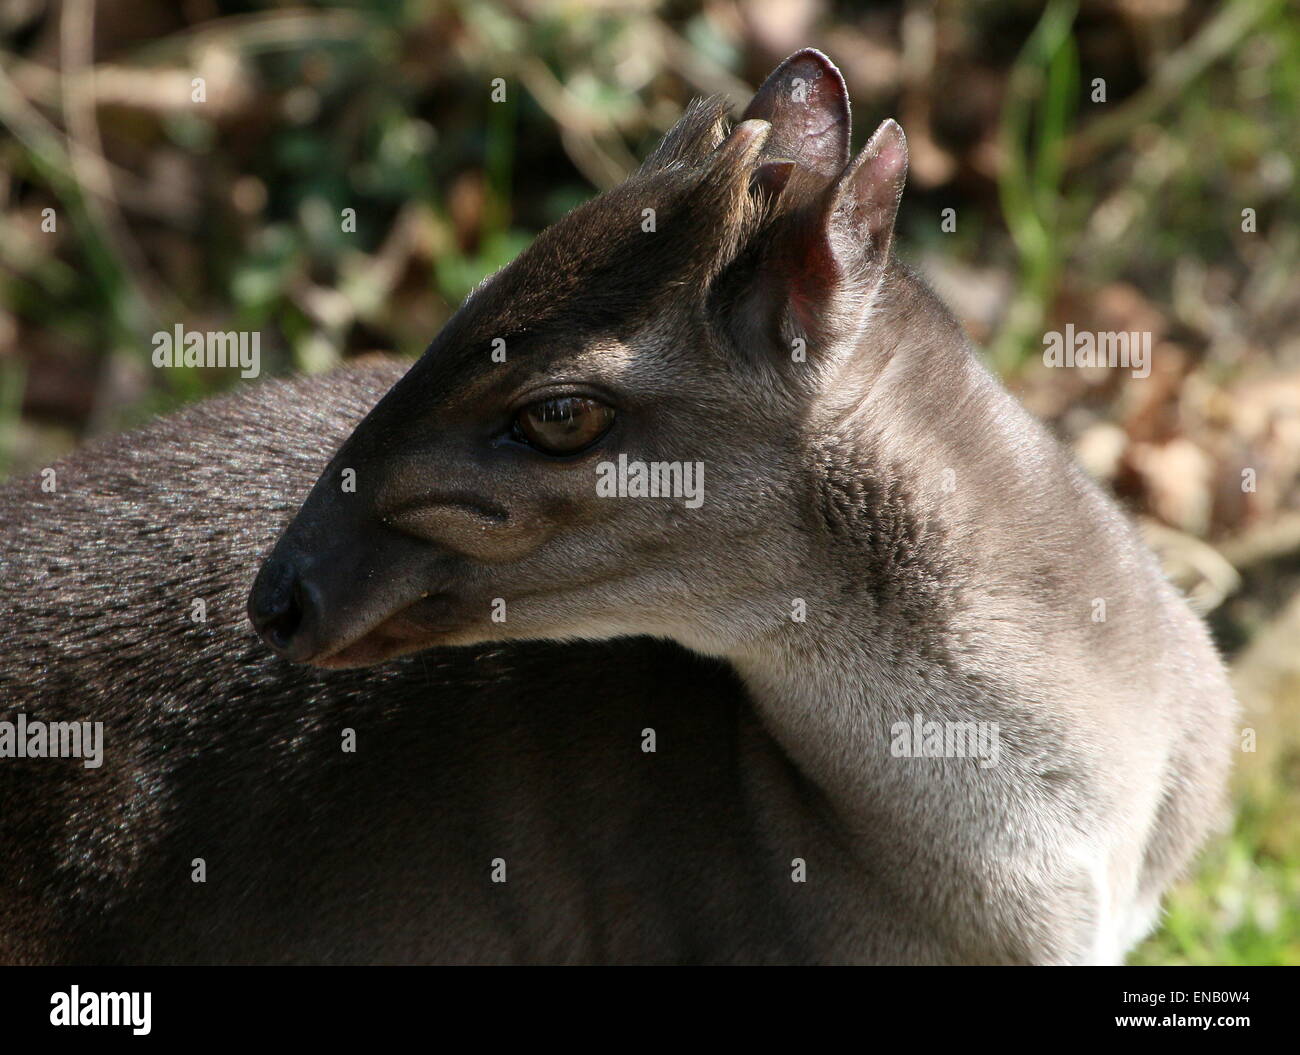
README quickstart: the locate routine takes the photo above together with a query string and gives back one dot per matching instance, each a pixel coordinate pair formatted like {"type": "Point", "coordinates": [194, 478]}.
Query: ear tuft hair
{"type": "Point", "coordinates": [730, 195]}
{"type": "Point", "coordinates": [697, 133]}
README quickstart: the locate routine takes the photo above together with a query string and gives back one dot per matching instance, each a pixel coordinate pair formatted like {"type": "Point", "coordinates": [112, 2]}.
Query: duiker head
{"type": "Point", "coordinates": [672, 336]}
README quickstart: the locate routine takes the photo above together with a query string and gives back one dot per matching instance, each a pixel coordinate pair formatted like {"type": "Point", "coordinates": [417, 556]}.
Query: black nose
{"type": "Point", "coordinates": [281, 609]}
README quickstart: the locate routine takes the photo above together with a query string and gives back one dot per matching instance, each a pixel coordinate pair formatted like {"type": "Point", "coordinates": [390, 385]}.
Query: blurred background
{"type": "Point", "coordinates": [1116, 164]}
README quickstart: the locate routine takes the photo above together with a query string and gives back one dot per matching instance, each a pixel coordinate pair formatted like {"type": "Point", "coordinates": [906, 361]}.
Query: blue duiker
{"type": "Point", "coordinates": [697, 596]}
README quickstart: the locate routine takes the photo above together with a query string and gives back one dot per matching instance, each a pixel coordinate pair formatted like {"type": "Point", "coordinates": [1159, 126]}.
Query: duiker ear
{"type": "Point", "coordinates": [807, 105]}
{"type": "Point", "coordinates": [816, 276]}
{"type": "Point", "coordinates": [863, 202]}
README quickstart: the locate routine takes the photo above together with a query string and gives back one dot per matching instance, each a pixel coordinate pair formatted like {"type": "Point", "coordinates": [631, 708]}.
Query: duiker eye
{"type": "Point", "coordinates": [563, 424]}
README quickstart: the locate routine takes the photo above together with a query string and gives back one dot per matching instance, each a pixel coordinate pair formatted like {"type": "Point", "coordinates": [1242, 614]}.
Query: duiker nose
{"type": "Point", "coordinates": [284, 609]}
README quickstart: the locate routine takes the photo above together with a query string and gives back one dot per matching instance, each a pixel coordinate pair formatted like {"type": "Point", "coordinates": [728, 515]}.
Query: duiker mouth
{"type": "Point", "coordinates": [414, 628]}
{"type": "Point", "coordinates": [359, 602]}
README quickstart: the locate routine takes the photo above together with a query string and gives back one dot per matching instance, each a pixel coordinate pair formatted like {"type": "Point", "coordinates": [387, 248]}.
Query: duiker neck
{"type": "Point", "coordinates": [926, 484]}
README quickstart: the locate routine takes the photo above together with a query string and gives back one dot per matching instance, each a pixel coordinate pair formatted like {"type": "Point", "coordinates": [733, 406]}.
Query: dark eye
{"type": "Point", "coordinates": [563, 425]}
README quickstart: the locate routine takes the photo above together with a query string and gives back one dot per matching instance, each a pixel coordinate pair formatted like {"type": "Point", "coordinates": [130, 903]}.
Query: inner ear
{"type": "Point", "coordinates": [864, 200]}
{"type": "Point", "coordinates": [814, 273]}
{"type": "Point", "coordinates": [807, 105]}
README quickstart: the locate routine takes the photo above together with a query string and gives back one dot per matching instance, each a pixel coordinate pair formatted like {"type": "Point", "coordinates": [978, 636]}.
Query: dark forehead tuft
{"type": "Point", "coordinates": [599, 270]}
{"type": "Point", "coordinates": [600, 267]}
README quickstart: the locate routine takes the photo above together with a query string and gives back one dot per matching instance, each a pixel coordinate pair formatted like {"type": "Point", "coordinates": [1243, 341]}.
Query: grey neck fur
{"type": "Point", "coordinates": [947, 578]}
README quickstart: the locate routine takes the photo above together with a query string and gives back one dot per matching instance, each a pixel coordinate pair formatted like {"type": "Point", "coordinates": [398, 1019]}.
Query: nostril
{"type": "Point", "coordinates": [277, 606]}
{"type": "Point", "coordinates": [281, 626]}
